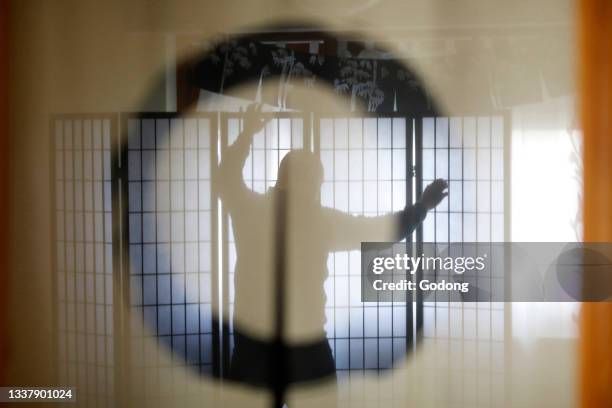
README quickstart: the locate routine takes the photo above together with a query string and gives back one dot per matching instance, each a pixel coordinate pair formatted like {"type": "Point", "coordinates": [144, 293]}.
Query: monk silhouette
{"type": "Point", "coordinates": [283, 239]}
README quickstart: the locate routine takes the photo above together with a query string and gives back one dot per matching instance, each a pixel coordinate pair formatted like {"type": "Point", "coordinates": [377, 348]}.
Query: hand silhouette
{"type": "Point", "coordinates": [434, 194]}
{"type": "Point", "coordinates": [253, 119]}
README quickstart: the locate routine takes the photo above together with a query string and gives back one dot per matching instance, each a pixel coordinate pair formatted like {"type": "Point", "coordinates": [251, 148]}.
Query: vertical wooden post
{"type": "Point", "coordinates": [595, 48]}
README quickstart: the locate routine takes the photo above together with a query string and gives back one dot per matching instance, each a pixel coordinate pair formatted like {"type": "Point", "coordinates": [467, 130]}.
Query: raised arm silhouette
{"type": "Point", "coordinates": [286, 235]}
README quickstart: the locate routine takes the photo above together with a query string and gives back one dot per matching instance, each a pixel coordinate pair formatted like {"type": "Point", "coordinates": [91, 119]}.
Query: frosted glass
{"type": "Point", "coordinates": [370, 165]}
{"type": "Point", "coordinates": [497, 226]}
{"type": "Point", "coordinates": [284, 133]}
{"type": "Point", "coordinates": [205, 257]}
{"type": "Point", "coordinates": [191, 226]}
{"type": "Point", "coordinates": [384, 133]}
{"type": "Point", "coordinates": [162, 163]}
{"type": "Point", "coordinates": [429, 229]}
{"type": "Point", "coordinates": [469, 196]}
{"type": "Point", "coordinates": [176, 165]}
{"type": "Point", "coordinates": [469, 164]}
{"type": "Point", "coordinates": [272, 163]}
{"type": "Point", "coordinates": [384, 164]}
{"type": "Point", "coordinates": [163, 227]}
{"type": "Point", "coordinates": [204, 225]}
{"type": "Point", "coordinates": [341, 165]}
{"type": "Point", "coordinates": [399, 164]}
{"type": "Point", "coordinates": [191, 265]}
{"type": "Point", "coordinates": [484, 196]}
{"type": "Point", "coordinates": [178, 258]}
{"type": "Point", "coordinates": [456, 164]}
{"type": "Point", "coordinates": [442, 164]}
{"type": "Point", "coordinates": [297, 138]}
{"type": "Point", "coordinates": [148, 134]}
{"type": "Point", "coordinates": [385, 321]}
{"type": "Point", "coordinates": [178, 227]}
{"type": "Point", "coordinates": [163, 258]}
{"type": "Point", "coordinates": [148, 228]}
{"type": "Point", "coordinates": [163, 289]}
{"type": "Point", "coordinates": [176, 133]}
{"type": "Point", "coordinates": [455, 133]}
{"type": "Point", "coordinates": [342, 299]}
{"type": "Point", "coordinates": [441, 132]}
{"type": "Point", "coordinates": [259, 165]}
{"type": "Point", "coordinates": [455, 195]}
{"type": "Point", "coordinates": [441, 227]}
{"type": "Point", "coordinates": [371, 353]}
{"type": "Point", "coordinates": [399, 133]}
{"type": "Point", "coordinates": [149, 256]}
{"type": "Point", "coordinates": [370, 194]}
{"type": "Point", "coordinates": [272, 134]}
{"type": "Point", "coordinates": [356, 322]}
{"type": "Point", "coordinates": [484, 164]}
{"type": "Point", "coordinates": [341, 133]}
{"type": "Point", "coordinates": [356, 165]}
{"type": "Point", "coordinates": [484, 227]}
{"type": "Point", "coordinates": [191, 164]}
{"type": "Point", "coordinates": [442, 322]}
{"type": "Point", "coordinates": [399, 195]}
{"type": "Point", "coordinates": [370, 139]}
{"type": "Point", "coordinates": [178, 289]}
{"type": "Point", "coordinates": [148, 196]}
{"type": "Point", "coordinates": [178, 195]}
{"type": "Point", "coordinates": [370, 316]}
{"type": "Point", "coordinates": [204, 195]}
{"type": "Point", "coordinates": [191, 195]}
{"type": "Point", "coordinates": [355, 197]}
{"type": "Point", "coordinates": [191, 133]}
{"type": "Point", "coordinates": [497, 196]}
{"type": "Point", "coordinates": [399, 321]}
{"type": "Point", "coordinates": [428, 165]}
{"type": "Point", "coordinates": [162, 129]}
{"type": "Point", "coordinates": [429, 129]}
{"type": "Point", "coordinates": [356, 352]}
{"type": "Point", "coordinates": [456, 227]}
{"type": "Point", "coordinates": [341, 199]}
{"type": "Point", "coordinates": [497, 164]}
{"type": "Point", "coordinates": [163, 196]}
{"type": "Point", "coordinates": [384, 196]}
{"type": "Point", "coordinates": [469, 227]}
{"type": "Point", "coordinates": [149, 290]}
{"type": "Point", "coordinates": [385, 349]}
{"type": "Point", "coordinates": [355, 133]}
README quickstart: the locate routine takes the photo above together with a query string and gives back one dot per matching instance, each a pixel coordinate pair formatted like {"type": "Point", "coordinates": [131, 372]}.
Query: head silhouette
{"type": "Point", "coordinates": [301, 173]}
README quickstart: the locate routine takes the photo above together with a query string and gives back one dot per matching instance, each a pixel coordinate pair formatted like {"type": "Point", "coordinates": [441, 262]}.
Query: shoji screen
{"type": "Point", "coordinates": [84, 255]}
{"type": "Point", "coordinates": [367, 171]}
{"type": "Point", "coordinates": [182, 251]}
{"type": "Point", "coordinates": [171, 233]}
{"type": "Point", "coordinates": [469, 152]}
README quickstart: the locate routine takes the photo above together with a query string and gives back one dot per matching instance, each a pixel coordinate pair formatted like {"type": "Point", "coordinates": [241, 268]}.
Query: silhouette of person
{"type": "Point", "coordinates": [309, 233]}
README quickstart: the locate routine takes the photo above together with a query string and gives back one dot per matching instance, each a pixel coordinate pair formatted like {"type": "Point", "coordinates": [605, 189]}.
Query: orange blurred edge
{"type": "Point", "coordinates": [4, 184]}
{"type": "Point", "coordinates": [595, 87]}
